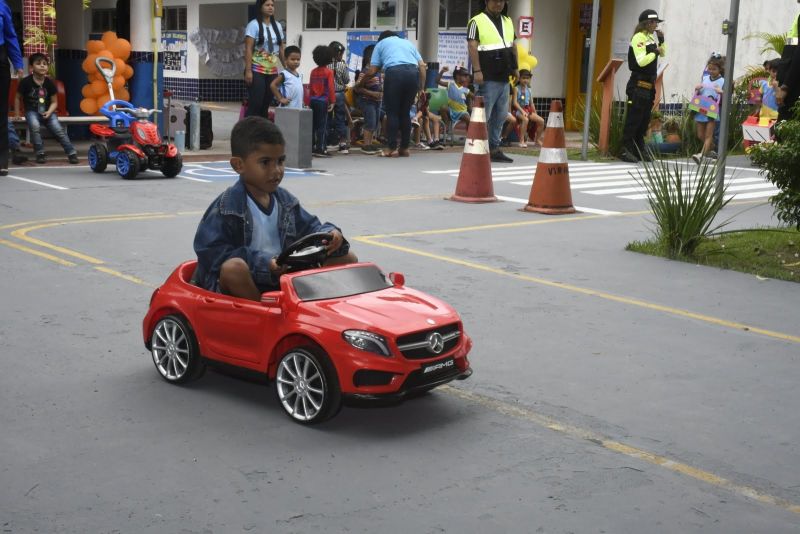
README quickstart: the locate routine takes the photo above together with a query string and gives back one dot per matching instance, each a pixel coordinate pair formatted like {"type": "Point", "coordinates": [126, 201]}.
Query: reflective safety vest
{"type": "Point", "coordinates": [489, 38]}
{"type": "Point", "coordinates": [791, 37]}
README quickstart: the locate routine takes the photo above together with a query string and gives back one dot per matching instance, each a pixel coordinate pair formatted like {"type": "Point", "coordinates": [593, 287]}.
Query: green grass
{"type": "Point", "coordinates": [766, 252]}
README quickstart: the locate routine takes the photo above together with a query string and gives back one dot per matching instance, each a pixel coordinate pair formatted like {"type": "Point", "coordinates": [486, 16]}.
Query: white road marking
{"type": "Point", "coordinates": [20, 178]}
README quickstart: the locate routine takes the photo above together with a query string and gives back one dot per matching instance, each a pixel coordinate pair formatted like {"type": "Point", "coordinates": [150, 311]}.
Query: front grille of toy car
{"type": "Point", "coordinates": [416, 346]}
{"type": "Point", "coordinates": [417, 379]}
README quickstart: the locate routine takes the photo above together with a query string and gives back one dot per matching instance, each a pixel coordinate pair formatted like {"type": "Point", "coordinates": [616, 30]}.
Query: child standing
{"type": "Point", "coordinates": [769, 104]}
{"type": "Point", "coordinates": [288, 85]}
{"type": "Point", "coordinates": [369, 100]}
{"type": "Point", "coordinates": [525, 110]}
{"type": "Point", "coordinates": [39, 94]}
{"type": "Point", "coordinates": [250, 223]}
{"type": "Point", "coordinates": [710, 87]}
{"type": "Point", "coordinates": [457, 95]}
{"type": "Point", "coordinates": [341, 78]}
{"type": "Point", "coordinates": [323, 98]}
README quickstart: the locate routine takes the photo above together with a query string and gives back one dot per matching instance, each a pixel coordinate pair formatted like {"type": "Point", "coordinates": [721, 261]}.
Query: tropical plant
{"type": "Point", "coordinates": [780, 161]}
{"type": "Point", "coordinates": [616, 123]}
{"type": "Point", "coordinates": [771, 42]}
{"type": "Point", "coordinates": [684, 202]}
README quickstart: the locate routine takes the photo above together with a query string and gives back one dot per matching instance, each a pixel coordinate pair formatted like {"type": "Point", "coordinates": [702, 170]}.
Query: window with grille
{"type": "Point", "coordinates": [333, 15]}
{"type": "Point", "coordinates": [452, 13]}
{"type": "Point", "coordinates": [174, 19]}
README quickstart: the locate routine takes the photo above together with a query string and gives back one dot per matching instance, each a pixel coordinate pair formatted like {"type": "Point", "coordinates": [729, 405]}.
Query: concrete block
{"type": "Point", "coordinates": [297, 127]}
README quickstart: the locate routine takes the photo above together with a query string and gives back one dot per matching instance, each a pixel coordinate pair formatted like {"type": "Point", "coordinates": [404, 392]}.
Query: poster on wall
{"type": "Point", "coordinates": [453, 52]}
{"type": "Point", "coordinates": [174, 49]}
{"type": "Point", "coordinates": [357, 42]}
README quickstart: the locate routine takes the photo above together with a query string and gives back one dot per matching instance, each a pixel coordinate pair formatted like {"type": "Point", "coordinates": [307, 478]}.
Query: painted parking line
{"type": "Point", "coordinates": [37, 182]}
{"type": "Point", "coordinates": [221, 171]}
{"type": "Point", "coordinates": [579, 208]}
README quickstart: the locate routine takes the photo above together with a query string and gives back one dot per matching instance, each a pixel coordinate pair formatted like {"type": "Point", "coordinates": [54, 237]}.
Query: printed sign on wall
{"type": "Point", "coordinates": [174, 48]}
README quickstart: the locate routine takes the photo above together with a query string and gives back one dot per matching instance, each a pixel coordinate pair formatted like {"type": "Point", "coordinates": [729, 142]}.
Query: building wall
{"type": "Point", "coordinates": [549, 45]}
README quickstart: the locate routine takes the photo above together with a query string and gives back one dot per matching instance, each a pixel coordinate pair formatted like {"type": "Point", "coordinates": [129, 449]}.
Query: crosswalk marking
{"type": "Point", "coordinates": [620, 179]}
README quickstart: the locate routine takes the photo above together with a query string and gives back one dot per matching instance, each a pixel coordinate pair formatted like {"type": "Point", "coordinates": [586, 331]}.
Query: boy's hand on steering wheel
{"type": "Point", "coordinates": [336, 241]}
{"type": "Point", "coordinates": [274, 268]}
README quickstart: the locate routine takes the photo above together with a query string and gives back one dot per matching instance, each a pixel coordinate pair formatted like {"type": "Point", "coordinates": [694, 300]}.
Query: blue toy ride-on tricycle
{"type": "Point", "coordinates": [131, 141]}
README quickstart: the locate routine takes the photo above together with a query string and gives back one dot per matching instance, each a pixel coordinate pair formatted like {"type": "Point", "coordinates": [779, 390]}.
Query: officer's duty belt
{"type": "Point", "coordinates": [644, 85]}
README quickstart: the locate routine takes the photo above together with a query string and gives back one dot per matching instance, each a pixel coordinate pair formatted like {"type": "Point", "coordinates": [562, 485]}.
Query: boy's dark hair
{"type": "Point", "coordinates": [38, 56]}
{"type": "Point", "coordinates": [291, 49]}
{"type": "Point", "coordinates": [251, 132]}
{"type": "Point", "coordinates": [524, 72]}
{"type": "Point", "coordinates": [367, 57]}
{"type": "Point", "coordinates": [322, 55]}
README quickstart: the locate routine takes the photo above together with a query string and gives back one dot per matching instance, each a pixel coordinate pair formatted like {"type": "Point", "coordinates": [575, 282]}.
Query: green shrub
{"type": "Point", "coordinates": [780, 162]}
{"type": "Point", "coordinates": [684, 203]}
{"type": "Point", "coordinates": [617, 123]}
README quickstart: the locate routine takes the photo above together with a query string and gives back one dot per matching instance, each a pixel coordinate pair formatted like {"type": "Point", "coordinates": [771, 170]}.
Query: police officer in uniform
{"type": "Point", "coordinates": [789, 74]}
{"type": "Point", "coordinates": [647, 45]}
{"type": "Point", "coordinates": [490, 41]}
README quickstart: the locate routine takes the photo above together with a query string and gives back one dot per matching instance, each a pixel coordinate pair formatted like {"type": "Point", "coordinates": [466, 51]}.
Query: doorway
{"type": "Point", "coordinates": [578, 54]}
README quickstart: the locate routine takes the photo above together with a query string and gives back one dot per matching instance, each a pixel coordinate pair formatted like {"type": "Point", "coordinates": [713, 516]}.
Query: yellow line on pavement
{"type": "Point", "coordinates": [128, 277]}
{"type": "Point", "coordinates": [35, 252]}
{"type": "Point", "coordinates": [79, 219]}
{"type": "Point", "coordinates": [526, 414]}
{"type": "Point", "coordinates": [586, 291]}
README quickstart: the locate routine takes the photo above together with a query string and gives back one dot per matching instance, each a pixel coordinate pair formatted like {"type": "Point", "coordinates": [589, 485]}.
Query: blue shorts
{"type": "Point", "coordinates": [455, 116]}
{"type": "Point", "coordinates": [699, 117]}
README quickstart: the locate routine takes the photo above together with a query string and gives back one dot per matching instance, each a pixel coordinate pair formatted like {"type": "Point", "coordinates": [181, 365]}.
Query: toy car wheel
{"type": "Point", "coordinates": [307, 386]}
{"type": "Point", "coordinates": [127, 164]}
{"type": "Point", "coordinates": [175, 350]}
{"type": "Point", "coordinates": [98, 157]}
{"type": "Point", "coordinates": [172, 166]}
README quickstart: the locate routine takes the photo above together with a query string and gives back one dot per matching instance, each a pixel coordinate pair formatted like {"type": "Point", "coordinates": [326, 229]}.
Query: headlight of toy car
{"type": "Point", "coordinates": [367, 341]}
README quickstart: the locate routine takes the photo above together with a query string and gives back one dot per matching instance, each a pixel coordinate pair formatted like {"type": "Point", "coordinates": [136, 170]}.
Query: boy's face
{"type": "Point", "coordinates": [40, 66]}
{"type": "Point", "coordinates": [293, 61]}
{"type": "Point", "coordinates": [262, 169]}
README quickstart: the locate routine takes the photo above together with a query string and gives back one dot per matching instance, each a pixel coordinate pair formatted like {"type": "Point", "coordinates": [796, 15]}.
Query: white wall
{"type": "Point", "coordinates": [550, 45]}
{"type": "Point", "coordinates": [693, 30]}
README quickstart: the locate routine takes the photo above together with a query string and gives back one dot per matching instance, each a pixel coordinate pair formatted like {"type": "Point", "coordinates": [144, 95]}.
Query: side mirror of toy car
{"type": "Point", "coordinates": [272, 299]}
{"type": "Point", "coordinates": [397, 279]}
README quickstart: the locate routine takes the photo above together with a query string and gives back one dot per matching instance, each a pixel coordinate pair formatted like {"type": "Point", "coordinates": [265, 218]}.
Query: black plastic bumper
{"type": "Point", "coordinates": [409, 388]}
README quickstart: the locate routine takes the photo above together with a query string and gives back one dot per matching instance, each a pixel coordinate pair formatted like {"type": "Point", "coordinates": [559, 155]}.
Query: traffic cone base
{"type": "Point", "coordinates": [550, 192]}
{"type": "Point", "coordinates": [475, 175]}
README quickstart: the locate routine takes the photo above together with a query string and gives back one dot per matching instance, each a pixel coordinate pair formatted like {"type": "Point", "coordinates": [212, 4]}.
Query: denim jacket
{"type": "Point", "coordinates": [226, 230]}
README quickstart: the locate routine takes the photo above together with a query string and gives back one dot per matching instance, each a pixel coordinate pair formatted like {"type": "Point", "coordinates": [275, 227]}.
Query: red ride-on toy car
{"type": "Point", "coordinates": [328, 335]}
{"type": "Point", "coordinates": [131, 142]}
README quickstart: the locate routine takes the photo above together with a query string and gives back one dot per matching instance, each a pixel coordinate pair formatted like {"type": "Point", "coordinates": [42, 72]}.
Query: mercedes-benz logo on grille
{"type": "Point", "coordinates": [435, 342]}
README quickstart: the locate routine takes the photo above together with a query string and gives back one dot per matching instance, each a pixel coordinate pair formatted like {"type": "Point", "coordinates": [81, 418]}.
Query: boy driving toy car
{"type": "Point", "coordinates": [250, 223]}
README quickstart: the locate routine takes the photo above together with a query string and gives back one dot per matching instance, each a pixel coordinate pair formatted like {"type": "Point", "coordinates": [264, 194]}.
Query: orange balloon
{"type": "Point", "coordinates": [120, 63]}
{"type": "Point", "coordinates": [106, 53]}
{"type": "Point", "coordinates": [128, 72]}
{"type": "Point", "coordinates": [89, 106]}
{"type": "Point", "coordinates": [87, 92]}
{"type": "Point", "coordinates": [122, 94]}
{"type": "Point", "coordinates": [108, 38]}
{"type": "Point", "coordinates": [88, 64]}
{"type": "Point", "coordinates": [119, 83]}
{"type": "Point", "coordinates": [99, 88]}
{"type": "Point", "coordinates": [102, 100]}
{"type": "Point", "coordinates": [121, 48]}
{"type": "Point", "coordinates": [94, 46]}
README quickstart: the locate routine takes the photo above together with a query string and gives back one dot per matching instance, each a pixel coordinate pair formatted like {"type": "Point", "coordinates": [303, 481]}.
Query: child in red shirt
{"type": "Point", "coordinates": [323, 98]}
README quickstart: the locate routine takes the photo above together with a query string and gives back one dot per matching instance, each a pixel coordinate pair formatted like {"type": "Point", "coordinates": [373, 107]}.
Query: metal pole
{"type": "Point", "coordinates": [729, 28]}
{"type": "Point", "coordinates": [590, 80]}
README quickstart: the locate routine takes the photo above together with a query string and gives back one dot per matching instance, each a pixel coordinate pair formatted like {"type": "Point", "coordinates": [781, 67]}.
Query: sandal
{"type": "Point", "coordinates": [388, 154]}
{"type": "Point", "coordinates": [403, 153]}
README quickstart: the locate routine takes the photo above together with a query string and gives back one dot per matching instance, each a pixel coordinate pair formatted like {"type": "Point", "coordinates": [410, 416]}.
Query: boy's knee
{"type": "Point", "coordinates": [232, 271]}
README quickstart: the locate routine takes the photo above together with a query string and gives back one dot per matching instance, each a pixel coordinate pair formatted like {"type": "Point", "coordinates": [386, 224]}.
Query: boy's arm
{"type": "Point", "coordinates": [306, 223]}
{"type": "Point", "coordinates": [274, 86]}
{"type": "Point", "coordinates": [514, 102]}
{"type": "Point", "coordinates": [331, 91]}
{"type": "Point", "coordinates": [52, 108]}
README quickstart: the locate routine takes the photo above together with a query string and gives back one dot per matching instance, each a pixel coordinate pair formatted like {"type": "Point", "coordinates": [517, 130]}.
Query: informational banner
{"type": "Point", "coordinates": [357, 42]}
{"type": "Point", "coordinates": [174, 48]}
{"type": "Point", "coordinates": [453, 52]}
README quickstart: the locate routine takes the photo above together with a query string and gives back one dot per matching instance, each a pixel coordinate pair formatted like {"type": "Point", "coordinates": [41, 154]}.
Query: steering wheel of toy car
{"type": "Point", "coordinates": [313, 248]}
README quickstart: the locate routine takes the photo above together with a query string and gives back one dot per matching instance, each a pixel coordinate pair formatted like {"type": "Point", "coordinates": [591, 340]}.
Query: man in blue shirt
{"type": "Point", "coordinates": [9, 50]}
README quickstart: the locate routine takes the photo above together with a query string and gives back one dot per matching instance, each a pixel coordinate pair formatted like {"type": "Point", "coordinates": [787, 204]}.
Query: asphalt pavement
{"type": "Point", "coordinates": [612, 392]}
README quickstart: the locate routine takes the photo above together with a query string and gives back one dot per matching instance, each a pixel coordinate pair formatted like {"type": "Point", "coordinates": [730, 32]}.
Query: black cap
{"type": "Point", "coordinates": [648, 15]}
{"type": "Point", "coordinates": [336, 46]}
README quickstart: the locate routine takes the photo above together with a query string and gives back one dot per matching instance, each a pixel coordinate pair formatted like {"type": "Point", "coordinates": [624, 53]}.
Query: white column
{"type": "Point", "coordinates": [143, 39]}
{"type": "Point", "coordinates": [517, 9]}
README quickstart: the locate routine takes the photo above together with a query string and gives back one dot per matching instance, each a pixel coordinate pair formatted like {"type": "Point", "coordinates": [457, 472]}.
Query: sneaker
{"type": "Point", "coordinates": [41, 158]}
{"type": "Point", "coordinates": [73, 158]}
{"type": "Point", "coordinates": [343, 149]}
{"type": "Point", "coordinates": [698, 158]}
{"type": "Point", "coordinates": [370, 150]}
{"type": "Point", "coordinates": [522, 145]}
{"type": "Point", "coordinates": [17, 158]}
{"type": "Point", "coordinates": [324, 154]}
{"type": "Point", "coordinates": [422, 146]}
{"type": "Point", "coordinates": [436, 145]}
{"type": "Point", "coordinates": [712, 155]}
{"type": "Point", "coordinates": [499, 157]}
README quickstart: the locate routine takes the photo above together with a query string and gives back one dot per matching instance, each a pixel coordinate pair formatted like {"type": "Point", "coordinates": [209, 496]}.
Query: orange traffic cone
{"type": "Point", "coordinates": [550, 192]}
{"type": "Point", "coordinates": [475, 176]}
